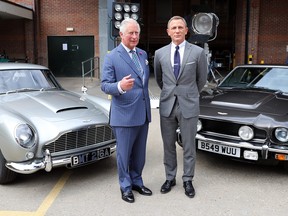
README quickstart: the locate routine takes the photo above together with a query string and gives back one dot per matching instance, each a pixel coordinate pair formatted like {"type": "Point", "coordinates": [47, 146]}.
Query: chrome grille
{"type": "Point", "coordinates": [81, 138]}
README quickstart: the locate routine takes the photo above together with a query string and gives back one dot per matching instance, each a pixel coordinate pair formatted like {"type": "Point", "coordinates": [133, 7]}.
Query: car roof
{"type": "Point", "coordinates": [13, 65]}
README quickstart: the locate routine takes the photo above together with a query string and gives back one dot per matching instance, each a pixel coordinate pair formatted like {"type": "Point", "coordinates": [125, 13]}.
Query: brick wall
{"type": "Point", "coordinates": [267, 40]}
{"type": "Point", "coordinates": [268, 32]}
{"type": "Point", "coordinates": [273, 31]}
{"type": "Point", "coordinates": [16, 38]}
{"type": "Point", "coordinates": [239, 55]}
{"type": "Point", "coordinates": [12, 40]}
{"type": "Point", "coordinates": [54, 16]}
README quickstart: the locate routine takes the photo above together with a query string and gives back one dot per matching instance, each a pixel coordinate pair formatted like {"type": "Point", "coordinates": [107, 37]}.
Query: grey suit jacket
{"type": "Point", "coordinates": [191, 79]}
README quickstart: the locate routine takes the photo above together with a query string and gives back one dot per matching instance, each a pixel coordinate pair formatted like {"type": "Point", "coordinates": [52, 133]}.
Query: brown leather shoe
{"type": "Point", "coordinates": [168, 184]}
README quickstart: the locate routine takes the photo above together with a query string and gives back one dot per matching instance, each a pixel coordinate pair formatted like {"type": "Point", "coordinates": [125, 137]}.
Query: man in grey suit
{"type": "Point", "coordinates": [181, 73]}
{"type": "Point", "coordinates": [125, 77]}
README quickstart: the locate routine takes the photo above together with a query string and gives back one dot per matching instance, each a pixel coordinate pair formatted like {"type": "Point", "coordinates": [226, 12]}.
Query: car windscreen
{"type": "Point", "coordinates": [266, 78]}
{"type": "Point", "coordinates": [28, 80]}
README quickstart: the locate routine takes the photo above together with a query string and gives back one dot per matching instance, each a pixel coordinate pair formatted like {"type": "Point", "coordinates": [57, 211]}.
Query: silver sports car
{"type": "Point", "coordinates": [43, 126]}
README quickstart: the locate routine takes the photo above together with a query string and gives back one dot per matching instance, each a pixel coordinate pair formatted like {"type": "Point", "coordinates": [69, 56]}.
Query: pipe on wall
{"type": "Point", "coordinates": [247, 30]}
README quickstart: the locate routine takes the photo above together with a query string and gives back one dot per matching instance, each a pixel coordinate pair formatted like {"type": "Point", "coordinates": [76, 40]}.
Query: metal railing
{"type": "Point", "coordinates": [89, 67]}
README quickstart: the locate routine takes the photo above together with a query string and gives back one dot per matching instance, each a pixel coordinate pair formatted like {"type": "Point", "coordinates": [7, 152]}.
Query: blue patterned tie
{"type": "Point", "coordinates": [176, 62]}
{"type": "Point", "coordinates": [136, 60]}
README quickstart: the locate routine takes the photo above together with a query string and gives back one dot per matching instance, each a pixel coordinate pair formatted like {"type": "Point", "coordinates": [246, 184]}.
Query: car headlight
{"type": "Point", "coordinates": [246, 133]}
{"type": "Point", "coordinates": [281, 134]}
{"type": "Point", "coordinates": [199, 125]}
{"type": "Point", "coordinates": [25, 136]}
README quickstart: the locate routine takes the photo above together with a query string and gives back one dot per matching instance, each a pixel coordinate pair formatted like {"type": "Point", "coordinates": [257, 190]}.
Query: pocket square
{"type": "Point", "coordinates": [188, 63]}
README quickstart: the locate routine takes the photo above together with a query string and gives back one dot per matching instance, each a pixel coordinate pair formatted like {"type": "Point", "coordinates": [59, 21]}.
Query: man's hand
{"type": "Point", "coordinates": [127, 83]}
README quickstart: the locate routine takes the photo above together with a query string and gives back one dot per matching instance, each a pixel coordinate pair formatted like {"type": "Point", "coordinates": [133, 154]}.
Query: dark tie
{"type": "Point", "coordinates": [136, 60]}
{"type": "Point", "coordinates": [176, 62]}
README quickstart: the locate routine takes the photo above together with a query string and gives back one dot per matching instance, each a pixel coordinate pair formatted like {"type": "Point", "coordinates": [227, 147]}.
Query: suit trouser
{"type": "Point", "coordinates": [131, 154]}
{"type": "Point", "coordinates": [188, 129]}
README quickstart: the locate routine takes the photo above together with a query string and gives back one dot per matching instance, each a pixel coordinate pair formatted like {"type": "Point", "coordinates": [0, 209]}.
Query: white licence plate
{"type": "Point", "coordinates": [219, 149]}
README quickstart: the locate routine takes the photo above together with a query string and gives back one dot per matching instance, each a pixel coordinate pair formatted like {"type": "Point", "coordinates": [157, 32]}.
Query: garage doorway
{"type": "Point", "coordinates": [65, 54]}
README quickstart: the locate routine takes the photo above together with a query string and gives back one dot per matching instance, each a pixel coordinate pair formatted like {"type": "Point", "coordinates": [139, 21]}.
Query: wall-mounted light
{"type": "Point", "coordinates": [70, 29]}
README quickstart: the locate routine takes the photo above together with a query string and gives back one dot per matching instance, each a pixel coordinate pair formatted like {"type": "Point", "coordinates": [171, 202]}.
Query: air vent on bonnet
{"type": "Point", "coordinates": [70, 108]}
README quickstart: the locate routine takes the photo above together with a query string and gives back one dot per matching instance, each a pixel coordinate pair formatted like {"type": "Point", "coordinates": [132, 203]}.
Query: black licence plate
{"type": "Point", "coordinates": [81, 159]}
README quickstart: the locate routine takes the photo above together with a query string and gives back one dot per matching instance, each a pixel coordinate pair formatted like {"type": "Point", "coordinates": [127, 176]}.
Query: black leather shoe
{"type": "Point", "coordinates": [142, 190]}
{"type": "Point", "coordinates": [127, 196]}
{"type": "Point", "coordinates": [166, 187]}
{"type": "Point", "coordinates": [189, 189]}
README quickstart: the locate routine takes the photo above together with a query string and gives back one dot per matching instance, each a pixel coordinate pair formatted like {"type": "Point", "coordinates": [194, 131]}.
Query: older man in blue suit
{"type": "Point", "coordinates": [125, 76]}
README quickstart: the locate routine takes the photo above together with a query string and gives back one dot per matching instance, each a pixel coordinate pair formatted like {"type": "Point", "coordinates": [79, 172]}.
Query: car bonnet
{"type": "Point", "coordinates": [245, 103]}
{"type": "Point", "coordinates": [51, 106]}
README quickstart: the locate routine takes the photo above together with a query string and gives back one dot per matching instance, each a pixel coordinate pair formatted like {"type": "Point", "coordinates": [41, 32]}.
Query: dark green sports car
{"type": "Point", "coordinates": [246, 116]}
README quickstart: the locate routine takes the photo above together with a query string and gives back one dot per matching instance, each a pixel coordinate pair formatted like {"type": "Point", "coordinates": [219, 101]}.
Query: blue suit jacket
{"type": "Point", "coordinates": [133, 107]}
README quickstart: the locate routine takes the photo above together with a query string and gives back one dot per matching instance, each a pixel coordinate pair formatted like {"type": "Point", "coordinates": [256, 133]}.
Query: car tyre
{"type": "Point", "coordinates": [6, 175]}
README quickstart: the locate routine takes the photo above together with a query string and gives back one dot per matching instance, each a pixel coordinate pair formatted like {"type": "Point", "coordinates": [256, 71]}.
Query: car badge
{"type": "Point", "coordinates": [222, 113]}
{"type": "Point", "coordinates": [87, 120]}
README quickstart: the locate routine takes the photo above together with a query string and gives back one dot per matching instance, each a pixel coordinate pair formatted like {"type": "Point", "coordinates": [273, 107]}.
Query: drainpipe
{"type": "Point", "coordinates": [247, 30]}
{"type": "Point", "coordinates": [35, 29]}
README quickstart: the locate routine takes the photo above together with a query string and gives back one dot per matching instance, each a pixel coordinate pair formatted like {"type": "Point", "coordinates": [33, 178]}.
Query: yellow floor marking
{"type": "Point", "coordinates": [48, 201]}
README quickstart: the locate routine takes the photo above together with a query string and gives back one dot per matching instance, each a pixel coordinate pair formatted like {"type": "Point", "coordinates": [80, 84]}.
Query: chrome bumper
{"type": "Point", "coordinates": [47, 163]}
{"type": "Point", "coordinates": [264, 149]}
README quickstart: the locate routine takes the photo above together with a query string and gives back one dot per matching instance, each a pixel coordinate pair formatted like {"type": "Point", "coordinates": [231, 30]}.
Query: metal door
{"type": "Point", "coordinates": [65, 54]}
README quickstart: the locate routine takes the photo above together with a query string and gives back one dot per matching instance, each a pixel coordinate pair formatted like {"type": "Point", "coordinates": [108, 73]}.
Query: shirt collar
{"type": "Point", "coordinates": [127, 49]}
{"type": "Point", "coordinates": [180, 45]}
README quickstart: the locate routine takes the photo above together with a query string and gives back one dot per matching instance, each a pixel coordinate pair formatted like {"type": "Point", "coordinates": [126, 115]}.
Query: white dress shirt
{"type": "Point", "coordinates": [181, 52]}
